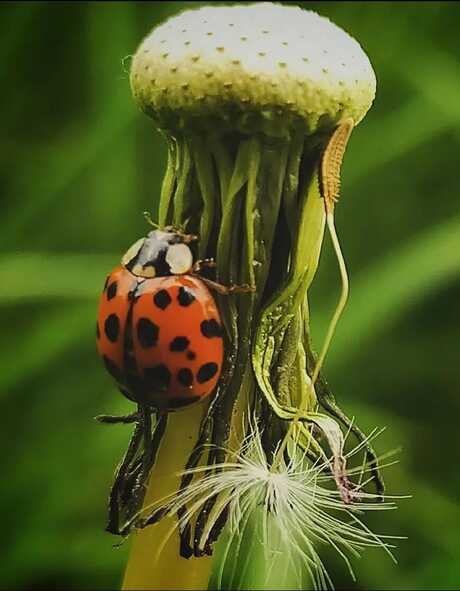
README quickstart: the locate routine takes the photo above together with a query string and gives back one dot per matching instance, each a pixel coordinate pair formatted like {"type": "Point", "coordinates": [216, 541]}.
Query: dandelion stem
{"type": "Point", "coordinates": [144, 570]}
{"type": "Point", "coordinates": [247, 171]}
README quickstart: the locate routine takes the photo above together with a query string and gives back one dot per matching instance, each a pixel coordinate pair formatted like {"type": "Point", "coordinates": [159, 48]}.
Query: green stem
{"type": "Point", "coordinates": [169, 181]}
{"type": "Point", "coordinates": [182, 194]}
{"type": "Point", "coordinates": [204, 171]}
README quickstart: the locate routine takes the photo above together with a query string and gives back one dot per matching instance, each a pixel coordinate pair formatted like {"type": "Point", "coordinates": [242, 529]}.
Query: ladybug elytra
{"type": "Point", "coordinates": [159, 330]}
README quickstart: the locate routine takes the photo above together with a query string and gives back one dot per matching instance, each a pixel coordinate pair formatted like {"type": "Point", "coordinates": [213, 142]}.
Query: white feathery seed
{"type": "Point", "coordinates": [299, 509]}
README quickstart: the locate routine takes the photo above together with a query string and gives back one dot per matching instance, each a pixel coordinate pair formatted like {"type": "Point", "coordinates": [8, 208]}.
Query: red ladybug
{"type": "Point", "coordinates": [160, 335]}
{"type": "Point", "coordinates": [159, 331]}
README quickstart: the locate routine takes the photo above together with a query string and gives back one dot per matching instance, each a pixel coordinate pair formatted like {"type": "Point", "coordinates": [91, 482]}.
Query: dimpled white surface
{"type": "Point", "coordinates": [263, 55]}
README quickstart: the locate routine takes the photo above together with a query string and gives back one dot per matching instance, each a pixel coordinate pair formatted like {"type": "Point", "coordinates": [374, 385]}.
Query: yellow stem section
{"type": "Point", "coordinates": [148, 569]}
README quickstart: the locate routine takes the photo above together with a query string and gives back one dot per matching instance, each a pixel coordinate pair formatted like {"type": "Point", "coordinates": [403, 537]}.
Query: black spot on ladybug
{"type": "Point", "coordinates": [147, 332]}
{"type": "Point", "coordinates": [206, 372]}
{"type": "Point", "coordinates": [98, 332]}
{"type": "Point", "coordinates": [158, 377]}
{"type": "Point", "coordinates": [211, 328]}
{"type": "Point", "coordinates": [162, 299]}
{"type": "Point", "coordinates": [181, 401]}
{"type": "Point", "coordinates": [111, 367]}
{"type": "Point", "coordinates": [179, 344]}
{"type": "Point", "coordinates": [112, 290]}
{"type": "Point", "coordinates": [191, 355]}
{"type": "Point", "coordinates": [112, 327]}
{"type": "Point", "coordinates": [185, 376]}
{"type": "Point", "coordinates": [185, 297]}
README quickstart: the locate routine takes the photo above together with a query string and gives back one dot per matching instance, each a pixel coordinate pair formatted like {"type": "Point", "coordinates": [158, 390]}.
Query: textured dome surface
{"type": "Point", "coordinates": [265, 59]}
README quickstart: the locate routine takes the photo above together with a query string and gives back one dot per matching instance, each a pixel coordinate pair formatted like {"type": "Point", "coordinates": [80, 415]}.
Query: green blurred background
{"type": "Point", "coordinates": [79, 164]}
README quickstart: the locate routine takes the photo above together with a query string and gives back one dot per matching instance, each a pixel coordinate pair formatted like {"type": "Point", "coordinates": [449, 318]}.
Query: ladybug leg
{"type": "Point", "coordinates": [198, 265]}
{"type": "Point", "coordinates": [226, 289]}
{"type": "Point", "coordinates": [187, 238]}
{"type": "Point", "coordinates": [113, 525]}
{"type": "Point", "coordinates": [113, 419]}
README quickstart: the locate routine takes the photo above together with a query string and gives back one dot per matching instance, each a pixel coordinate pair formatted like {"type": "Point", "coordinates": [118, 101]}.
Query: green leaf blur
{"type": "Point", "coordinates": [79, 163]}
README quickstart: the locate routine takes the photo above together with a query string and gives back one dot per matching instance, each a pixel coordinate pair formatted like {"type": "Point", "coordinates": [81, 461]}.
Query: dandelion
{"type": "Point", "coordinates": [257, 104]}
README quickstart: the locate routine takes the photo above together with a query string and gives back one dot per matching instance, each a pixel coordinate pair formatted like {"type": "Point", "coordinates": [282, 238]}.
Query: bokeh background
{"type": "Point", "coordinates": [79, 163]}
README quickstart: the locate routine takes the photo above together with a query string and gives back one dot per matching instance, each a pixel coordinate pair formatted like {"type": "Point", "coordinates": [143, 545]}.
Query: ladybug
{"type": "Point", "coordinates": [159, 330]}
{"type": "Point", "coordinates": [160, 336]}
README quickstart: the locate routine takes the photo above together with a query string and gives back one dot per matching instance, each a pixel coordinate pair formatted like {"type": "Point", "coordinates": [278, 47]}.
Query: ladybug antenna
{"type": "Point", "coordinates": [148, 217]}
{"type": "Point", "coordinates": [186, 237]}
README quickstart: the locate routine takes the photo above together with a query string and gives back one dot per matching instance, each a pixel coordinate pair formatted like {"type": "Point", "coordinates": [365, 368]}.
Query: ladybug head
{"type": "Point", "coordinates": [159, 254]}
